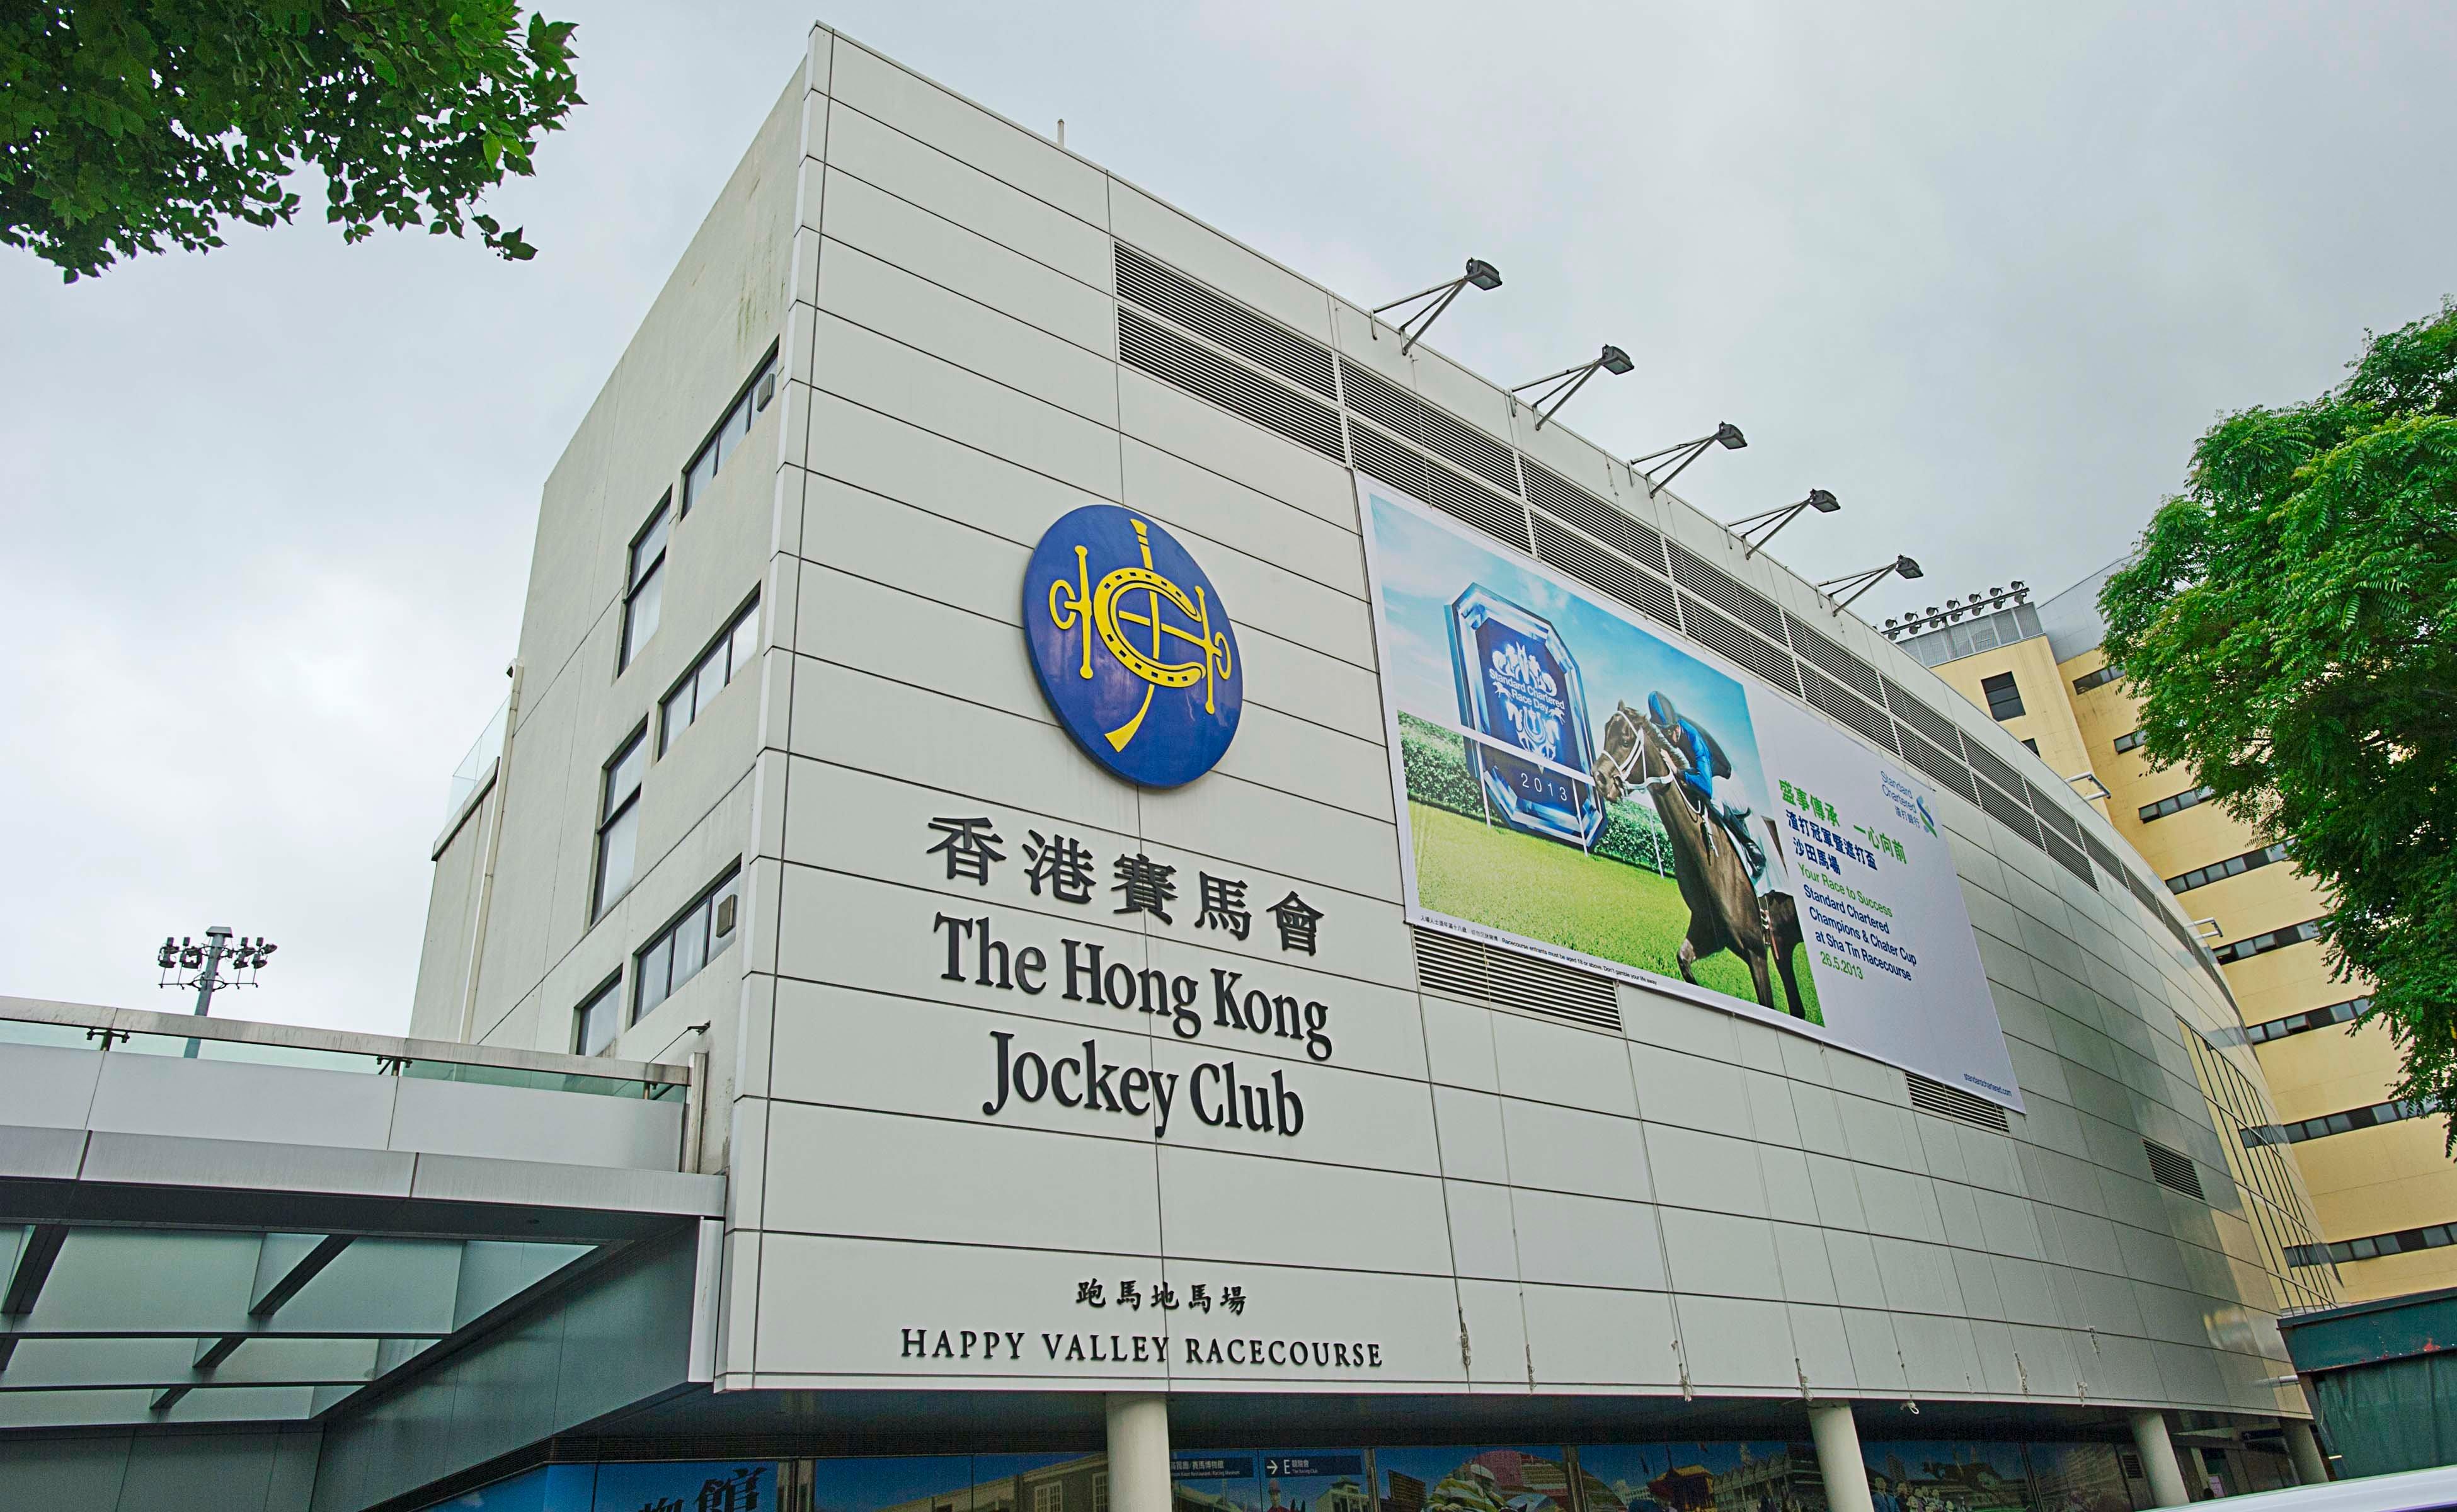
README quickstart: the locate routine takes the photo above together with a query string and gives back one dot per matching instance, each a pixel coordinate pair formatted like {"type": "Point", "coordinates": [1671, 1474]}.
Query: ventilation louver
{"type": "Point", "coordinates": [1909, 711]}
{"type": "Point", "coordinates": [1995, 768]}
{"type": "Point", "coordinates": [1465, 969]}
{"type": "Point", "coordinates": [2052, 816]}
{"type": "Point", "coordinates": [2174, 1172]}
{"type": "Point", "coordinates": [1504, 519]}
{"type": "Point", "coordinates": [1952, 1101]}
{"type": "Point", "coordinates": [2007, 812]}
{"type": "Point", "coordinates": [1950, 774]}
{"type": "Point", "coordinates": [1835, 661]}
{"type": "Point", "coordinates": [1435, 429]}
{"type": "Point", "coordinates": [1729, 640]}
{"type": "Point", "coordinates": [2105, 857]}
{"type": "Point", "coordinates": [1605, 571]}
{"type": "Point", "coordinates": [1567, 501]}
{"type": "Point", "coordinates": [2069, 856]}
{"type": "Point", "coordinates": [1257, 339]}
{"type": "Point", "coordinates": [1845, 707]}
{"type": "Point", "coordinates": [1727, 593]}
{"type": "Point", "coordinates": [1206, 374]}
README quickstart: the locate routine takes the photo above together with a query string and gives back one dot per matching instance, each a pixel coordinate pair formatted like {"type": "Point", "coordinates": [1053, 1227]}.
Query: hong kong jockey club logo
{"type": "Point", "coordinates": [1132, 646]}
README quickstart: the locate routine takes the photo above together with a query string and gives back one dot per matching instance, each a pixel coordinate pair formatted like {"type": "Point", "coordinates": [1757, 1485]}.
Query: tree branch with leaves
{"type": "Point", "coordinates": [130, 126]}
{"type": "Point", "coordinates": [2290, 624]}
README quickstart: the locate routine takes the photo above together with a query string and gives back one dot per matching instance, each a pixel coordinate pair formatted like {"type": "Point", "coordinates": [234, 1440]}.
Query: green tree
{"type": "Point", "coordinates": [2290, 623]}
{"type": "Point", "coordinates": [127, 125]}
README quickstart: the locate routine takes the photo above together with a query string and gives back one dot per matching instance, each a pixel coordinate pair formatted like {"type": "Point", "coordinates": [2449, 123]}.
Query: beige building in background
{"type": "Point", "coordinates": [2384, 1191]}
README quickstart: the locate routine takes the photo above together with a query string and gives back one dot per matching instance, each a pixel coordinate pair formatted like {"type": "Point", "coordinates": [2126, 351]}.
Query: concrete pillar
{"type": "Point", "coordinates": [2158, 1460]}
{"type": "Point", "coordinates": [2311, 1466]}
{"type": "Point", "coordinates": [1137, 1452]}
{"type": "Point", "coordinates": [1838, 1456]}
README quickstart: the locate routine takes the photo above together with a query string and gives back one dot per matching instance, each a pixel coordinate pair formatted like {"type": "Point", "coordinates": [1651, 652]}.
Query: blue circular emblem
{"type": "Point", "coordinates": [1132, 646]}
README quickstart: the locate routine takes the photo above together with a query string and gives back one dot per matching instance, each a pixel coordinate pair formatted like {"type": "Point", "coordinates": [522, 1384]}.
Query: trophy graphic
{"type": "Point", "coordinates": [1525, 708]}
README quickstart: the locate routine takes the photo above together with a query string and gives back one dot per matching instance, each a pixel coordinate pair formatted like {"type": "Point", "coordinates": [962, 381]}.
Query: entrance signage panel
{"type": "Point", "coordinates": [1132, 646]}
{"type": "Point", "coordinates": [1574, 784]}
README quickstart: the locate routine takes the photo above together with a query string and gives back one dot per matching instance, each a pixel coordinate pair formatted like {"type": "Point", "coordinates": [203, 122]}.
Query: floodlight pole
{"type": "Point", "coordinates": [1687, 451]}
{"type": "Point", "coordinates": [209, 979]}
{"type": "Point", "coordinates": [1860, 582]}
{"type": "Point", "coordinates": [1747, 528]}
{"type": "Point", "coordinates": [1483, 274]}
{"type": "Point", "coordinates": [1569, 380]}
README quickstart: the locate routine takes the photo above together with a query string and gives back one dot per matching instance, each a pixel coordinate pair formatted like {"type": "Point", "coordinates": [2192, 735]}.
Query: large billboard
{"type": "Point", "coordinates": [1573, 783]}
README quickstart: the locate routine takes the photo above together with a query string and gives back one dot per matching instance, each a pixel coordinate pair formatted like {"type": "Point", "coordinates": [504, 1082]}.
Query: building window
{"type": "Point", "coordinates": [2004, 699]}
{"type": "Point", "coordinates": [1050, 1496]}
{"type": "Point", "coordinates": [697, 937]}
{"type": "Point", "coordinates": [2129, 741]}
{"type": "Point", "coordinates": [720, 448]}
{"type": "Point", "coordinates": [2232, 867]}
{"type": "Point", "coordinates": [618, 821]}
{"type": "Point", "coordinates": [644, 589]}
{"type": "Point", "coordinates": [720, 664]}
{"type": "Point", "coordinates": [2374, 1246]}
{"type": "Point", "coordinates": [2303, 1023]}
{"type": "Point", "coordinates": [2031, 745]}
{"type": "Point", "coordinates": [595, 1022]}
{"type": "Point", "coordinates": [2263, 944]}
{"type": "Point", "coordinates": [1100, 1491]}
{"type": "Point", "coordinates": [2328, 1124]}
{"type": "Point", "coordinates": [2175, 804]}
{"type": "Point", "coordinates": [2095, 680]}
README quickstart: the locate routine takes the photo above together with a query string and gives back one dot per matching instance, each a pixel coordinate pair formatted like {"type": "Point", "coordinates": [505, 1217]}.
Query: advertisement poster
{"type": "Point", "coordinates": [1574, 784]}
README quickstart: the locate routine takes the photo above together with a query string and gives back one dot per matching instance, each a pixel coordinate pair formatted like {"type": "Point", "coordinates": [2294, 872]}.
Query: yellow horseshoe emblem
{"type": "Point", "coordinates": [1108, 607]}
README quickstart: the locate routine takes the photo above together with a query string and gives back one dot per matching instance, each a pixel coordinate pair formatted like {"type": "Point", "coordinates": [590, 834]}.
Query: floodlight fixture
{"type": "Point", "coordinates": [1852, 584]}
{"type": "Point", "coordinates": [224, 961]}
{"type": "Point", "coordinates": [1757, 529]}
{"type": "Point", "coordinates": [1479, 274]}
{"type": "Point", "coordinates": [1569, 380]}
{"type": "Point", "coordinates": [1681, 453]}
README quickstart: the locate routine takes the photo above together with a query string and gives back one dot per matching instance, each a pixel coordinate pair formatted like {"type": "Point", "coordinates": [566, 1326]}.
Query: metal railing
{"type": "Point", "coordinates": [142, 1031]}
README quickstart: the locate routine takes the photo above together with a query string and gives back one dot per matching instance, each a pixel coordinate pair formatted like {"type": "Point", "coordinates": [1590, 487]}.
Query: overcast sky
{"type": "Point", "coordinates": [1984, 271]}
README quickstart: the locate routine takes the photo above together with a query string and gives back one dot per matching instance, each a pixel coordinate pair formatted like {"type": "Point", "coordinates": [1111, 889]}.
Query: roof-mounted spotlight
{"type": "Point", "coordinates": [1757, 529]}
{"type": "Point", "coordinates": [1569, 380]}
{"type": "Point", "coordinates": [1852, 584]}
{"type": "Point", "coordinates": [1479, 274]}
{"type": "Point", "coordinates": [1681, 453]}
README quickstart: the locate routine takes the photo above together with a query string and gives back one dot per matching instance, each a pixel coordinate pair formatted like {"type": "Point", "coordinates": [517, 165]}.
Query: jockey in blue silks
{"type": "Point", "coordinates": [1705, 762]}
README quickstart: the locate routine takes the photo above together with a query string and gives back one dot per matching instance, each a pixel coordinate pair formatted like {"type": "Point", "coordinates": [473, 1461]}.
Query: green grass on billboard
{"type": "Point", "coordinates": [1611, 904]}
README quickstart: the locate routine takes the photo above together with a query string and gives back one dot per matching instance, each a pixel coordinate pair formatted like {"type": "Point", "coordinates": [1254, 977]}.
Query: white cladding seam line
{"type": "Point", "coordinates": [1268, 567]}
{"type": "Point", "coordinates": [1111, 179]}
{"type": "Point", "coordinates": [1243, 632]}
{"type": "Point", "coordinates": [1861, 1198]}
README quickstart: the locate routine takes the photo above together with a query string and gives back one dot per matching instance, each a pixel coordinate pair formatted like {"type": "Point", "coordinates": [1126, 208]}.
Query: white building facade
{"type": "Point", "coordinates": [1061, 1114]}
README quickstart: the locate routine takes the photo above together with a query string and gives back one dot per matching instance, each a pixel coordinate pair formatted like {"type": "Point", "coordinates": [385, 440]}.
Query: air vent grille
{"type": "Point", "coordinates": [1840, 704]}
{"type": "Point", "coordinates": [2054, 817]}
{"type": "Point", "coordinates": [1952, 774]}
{"type": "Point", "coordinates": [1921, 717]}
{"type": "Point", "coordinates": [1504, 519]}
{"type": "Point", "coordinates": [1721, 635]}
{"type": "Point", "coordinates": [1727, 593]}
{"type": "Point", "coordinates": [2008, 811]}
{"type": "Point", "coordinates": [1469, 969]}
{"type": "Point", "coordinates": [2068, 856]}
{"type": "Point", "coordinates": [1995, 768]}
{"type": "Point", "coordinates": [1260, 340]}
{"type": "Point", "coordinates": [1204, 374]}
{"type": "Point", "coordinates": [1952, 1101]}
{"type": "Point", "coordinates": [1605, 571]}
{"type": "Point", "coordinates": [1835, 661]}
{"type": "Point", "coordinates": [1567, 501]}
{"type": "Point", "coordinates": [2174, 1172]}
{"type": "Point", "coordinates": [1437, 430]}
{"type": "Point", "coordinates": [2105, 857]}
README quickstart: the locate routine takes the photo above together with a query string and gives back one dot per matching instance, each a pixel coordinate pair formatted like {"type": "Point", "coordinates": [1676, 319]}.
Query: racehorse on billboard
{"type": "Point", "coordinates": [1725, 911]}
